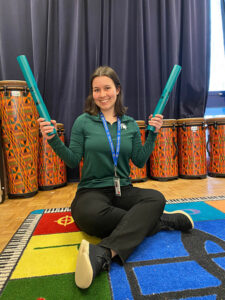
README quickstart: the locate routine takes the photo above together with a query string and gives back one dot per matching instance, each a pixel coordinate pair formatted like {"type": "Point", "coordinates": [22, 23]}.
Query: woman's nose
{"type": "Point", "coordinates": [102, 93]}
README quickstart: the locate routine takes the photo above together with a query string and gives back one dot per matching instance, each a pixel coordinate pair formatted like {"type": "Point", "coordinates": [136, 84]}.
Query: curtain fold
{"type": "Point", "coordinates": [65, 41]}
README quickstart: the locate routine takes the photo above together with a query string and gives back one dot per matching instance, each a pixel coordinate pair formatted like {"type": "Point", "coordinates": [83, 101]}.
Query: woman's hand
{"type": "Point", "coordinates": [156, 121]}
{"type": "Point", "coordinates": [46, 128]}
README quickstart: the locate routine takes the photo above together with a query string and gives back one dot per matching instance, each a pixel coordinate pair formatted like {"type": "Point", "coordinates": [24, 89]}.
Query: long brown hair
{"type": "Point", "coordinates": [90, 106]}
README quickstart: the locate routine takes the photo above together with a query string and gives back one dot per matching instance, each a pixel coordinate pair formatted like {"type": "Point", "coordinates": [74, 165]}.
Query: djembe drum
{"type": "Point", "coordinates": [192, 148]}
{"type": "Point", "coordinates": [139, 174]}
{"type": "Point", "coordinates": [216, 146]}
{"type": "Point", "coordinates": [2, 175]}
{"type": "Point", "coordinates": [19, 115]}
{"type": "Point", "coordinates": [164, 158]}
{"type": "Point", "coordinates": [51, 168]}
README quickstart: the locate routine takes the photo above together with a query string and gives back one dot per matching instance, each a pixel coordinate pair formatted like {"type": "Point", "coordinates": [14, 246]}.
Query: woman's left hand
{"type": "Point", "coordinates": [156, 121]}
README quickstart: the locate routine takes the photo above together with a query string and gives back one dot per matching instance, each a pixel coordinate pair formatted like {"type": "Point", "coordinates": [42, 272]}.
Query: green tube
{"type": "Point", "coordinates": [32, 85]}
{"type": "Point", "coordinates": [166, 93]}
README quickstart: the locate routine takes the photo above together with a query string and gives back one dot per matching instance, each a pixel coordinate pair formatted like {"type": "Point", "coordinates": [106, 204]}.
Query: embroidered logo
{"type": "Point", "coordinates": [123, 126]}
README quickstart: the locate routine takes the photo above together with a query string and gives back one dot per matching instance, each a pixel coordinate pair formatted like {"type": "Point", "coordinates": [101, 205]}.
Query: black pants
{"type": "Point", "coordinates": [122, 222]}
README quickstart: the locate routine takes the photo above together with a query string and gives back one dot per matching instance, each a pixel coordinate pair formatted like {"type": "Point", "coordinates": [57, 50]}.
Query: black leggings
{"type": "Point", "coordinates": [122, 222]}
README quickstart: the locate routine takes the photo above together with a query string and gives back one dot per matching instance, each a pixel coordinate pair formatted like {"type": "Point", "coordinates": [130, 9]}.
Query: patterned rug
{"type": "Point", "coordinates": [39, 261]}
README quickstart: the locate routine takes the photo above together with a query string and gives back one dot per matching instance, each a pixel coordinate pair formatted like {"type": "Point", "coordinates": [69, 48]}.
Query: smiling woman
{"type": "Point", "coordinates": [108, 87]}
{"type": "Point", "coordinates": [106, 204]}
{"type": "Point", "coordinates": [105, 96]}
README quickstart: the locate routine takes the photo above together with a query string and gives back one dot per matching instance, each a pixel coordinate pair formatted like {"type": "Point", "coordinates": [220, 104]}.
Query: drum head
{"type": "Point", "coordinates": [141, 123]}
{"type": "Point", "coordinates": [169, 122]}
{"type": "Point", "coordinates": [190, 121]}
{"type": "Point", "coordinates": [13, 84]}
{"type": "Point", "coordinates": [60, 126]}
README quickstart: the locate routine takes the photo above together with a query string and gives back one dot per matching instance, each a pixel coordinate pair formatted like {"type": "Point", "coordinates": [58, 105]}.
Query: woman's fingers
{"type": "Point", "coordinates": [156, 121]}
{"type": "Point", "coordinates": [46, 127]}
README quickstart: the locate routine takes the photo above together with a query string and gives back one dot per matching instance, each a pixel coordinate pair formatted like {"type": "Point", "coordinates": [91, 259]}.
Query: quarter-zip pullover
{"type": "Point", "coordinates": [89, 141]}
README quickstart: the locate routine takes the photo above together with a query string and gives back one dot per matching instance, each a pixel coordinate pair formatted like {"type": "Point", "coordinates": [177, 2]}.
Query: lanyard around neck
{"type": "Point", "coordinates": [114, 155]}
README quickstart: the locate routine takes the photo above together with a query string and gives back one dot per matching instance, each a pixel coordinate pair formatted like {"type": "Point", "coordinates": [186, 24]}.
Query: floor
{"type": "Point", "coordinates": [14, 211]}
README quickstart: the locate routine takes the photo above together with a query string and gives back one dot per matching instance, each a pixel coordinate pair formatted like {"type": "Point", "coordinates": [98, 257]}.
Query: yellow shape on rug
{"type": "Point", "coordinates": [51, 254]}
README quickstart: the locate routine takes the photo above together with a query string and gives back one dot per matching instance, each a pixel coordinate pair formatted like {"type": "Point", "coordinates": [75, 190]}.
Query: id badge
{"type": "Point", "coordinates": [117, 186]}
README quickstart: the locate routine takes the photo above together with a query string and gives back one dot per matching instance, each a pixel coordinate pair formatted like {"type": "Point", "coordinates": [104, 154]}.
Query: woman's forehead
{"type": "Point", "coordinates": [102, 81]}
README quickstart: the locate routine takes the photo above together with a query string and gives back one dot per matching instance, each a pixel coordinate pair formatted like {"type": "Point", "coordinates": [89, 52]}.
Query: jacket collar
{"type": "Point", "coordinates": [97, 118]}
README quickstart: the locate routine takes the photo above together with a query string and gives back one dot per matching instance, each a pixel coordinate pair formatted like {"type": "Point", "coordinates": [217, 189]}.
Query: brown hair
{"type": "Point", "coordinates": [90, 106]}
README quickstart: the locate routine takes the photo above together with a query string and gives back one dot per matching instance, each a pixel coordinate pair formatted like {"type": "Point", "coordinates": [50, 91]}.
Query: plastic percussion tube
{"type": "Point", "coordinates": [166, 93]}
{"type": "Point", "coordinates": [32, 85]}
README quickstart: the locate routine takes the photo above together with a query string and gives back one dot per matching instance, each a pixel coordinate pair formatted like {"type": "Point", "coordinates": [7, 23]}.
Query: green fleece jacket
{"type": "Point", "coordinates": [89, 140]}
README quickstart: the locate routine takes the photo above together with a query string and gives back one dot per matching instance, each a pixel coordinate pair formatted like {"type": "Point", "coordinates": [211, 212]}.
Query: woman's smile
{"type": "Point", "coordinates": [104, 93]}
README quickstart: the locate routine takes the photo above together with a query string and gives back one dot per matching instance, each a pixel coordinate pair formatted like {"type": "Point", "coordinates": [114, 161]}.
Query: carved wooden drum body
{"type": "Point", "coordinates": [216, 147]}
{"type": "Point", "coordinates": [19, 130]}
{"type": "Point", "coordinates": [51, 169]}
{"type": "Point", "coordinates": [139, 174]}
{"type": "Point", "coordinates": [164, 158]}
{"type": "Point", "coordinates": [192, 148]}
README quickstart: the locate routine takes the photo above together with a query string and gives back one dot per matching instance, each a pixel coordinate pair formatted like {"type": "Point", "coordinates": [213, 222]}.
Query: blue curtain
{"type": "Point", "coordinates": [65, 41]}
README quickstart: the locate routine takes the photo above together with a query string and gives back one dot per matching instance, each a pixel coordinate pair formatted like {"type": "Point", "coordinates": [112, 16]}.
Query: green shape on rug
{"type": "Point", "coordinates": [56, 287]}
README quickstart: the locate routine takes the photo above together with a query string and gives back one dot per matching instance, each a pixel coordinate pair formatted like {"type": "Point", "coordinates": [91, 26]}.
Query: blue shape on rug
{"type": "Point", "coordinates": [220, 261]}
{"type": "Point", "coordinates": [162, 245]}
{"type": "Point", "coordinates": [167, 277]}
{"type": "Point", "coordinates": [161, 264]}
{"type": "Point", "coordinates": [215, 228]}
{"type": "Point", "coordinates": [212, 247]}
{"type": "Point", "coordinates": [119, 283]}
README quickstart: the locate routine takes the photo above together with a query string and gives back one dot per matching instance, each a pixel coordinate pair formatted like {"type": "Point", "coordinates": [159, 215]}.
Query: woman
{"type": "Point", "coordinates": [106, 205]}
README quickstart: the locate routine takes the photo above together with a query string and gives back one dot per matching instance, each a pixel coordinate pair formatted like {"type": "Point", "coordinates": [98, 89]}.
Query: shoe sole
{"type": "Point", "coordinates": [84, 271]}
{"type": "Point", "coordinates": [180, 212]}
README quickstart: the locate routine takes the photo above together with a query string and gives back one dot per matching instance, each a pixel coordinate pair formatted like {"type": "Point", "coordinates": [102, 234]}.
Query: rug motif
{"type": "Point", "coordinates": [39, 261]}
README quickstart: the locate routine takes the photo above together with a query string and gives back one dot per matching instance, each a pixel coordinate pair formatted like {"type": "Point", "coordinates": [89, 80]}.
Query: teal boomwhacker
{"type": "Point", "coordinates": [32, 85]}
{"type": "Point", "coordinates": [166, 93]}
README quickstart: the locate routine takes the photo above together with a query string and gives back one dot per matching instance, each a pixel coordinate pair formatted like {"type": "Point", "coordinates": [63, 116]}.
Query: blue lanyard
{"type": "Point", "coordinates": [114, 155]}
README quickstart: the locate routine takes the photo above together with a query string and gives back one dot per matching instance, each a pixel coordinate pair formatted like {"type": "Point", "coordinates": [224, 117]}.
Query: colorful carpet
{"type": "Point", "coordinates": [39, 261]}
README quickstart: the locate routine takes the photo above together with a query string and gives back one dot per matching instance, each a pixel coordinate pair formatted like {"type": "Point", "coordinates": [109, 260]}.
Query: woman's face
{"type": "Point", "coordinates": [104, 93]}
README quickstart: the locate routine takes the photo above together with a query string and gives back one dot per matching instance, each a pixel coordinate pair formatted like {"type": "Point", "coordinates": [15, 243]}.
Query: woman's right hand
{"type": "Point", "coordinates": [46, 128]}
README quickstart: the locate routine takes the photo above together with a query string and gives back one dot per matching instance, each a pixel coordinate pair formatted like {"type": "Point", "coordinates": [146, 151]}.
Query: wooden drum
{"type": "Point", "coordinates": [139, 174]}
{"type": "Point", "coordinates": [164, 158]}
{"type": "Point", "coordinates": [2, 175]}
{"type": "Point", "coordinates": [216, 147]}
{"type": "Point", "coordinates": [192, 148]}
{"type": "Point", "coordinates": [19, 115]}
{"type": "Point", "coordinates": [51, 168]}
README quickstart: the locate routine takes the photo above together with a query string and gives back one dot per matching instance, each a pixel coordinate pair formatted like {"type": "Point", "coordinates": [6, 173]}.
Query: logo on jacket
{"type": "Point", "coordinates": [123, 126]}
